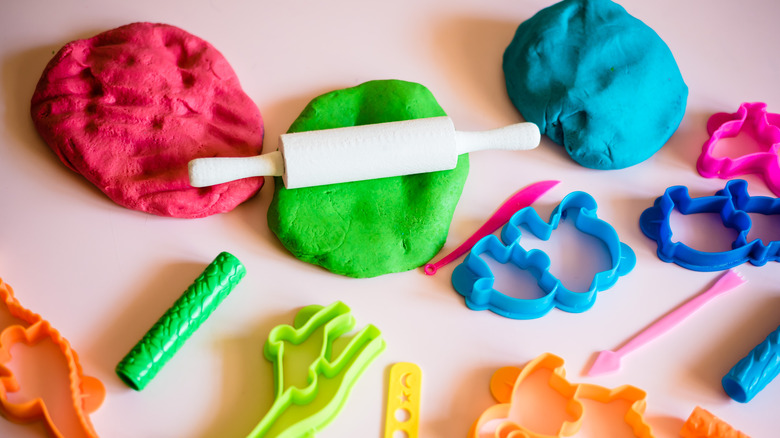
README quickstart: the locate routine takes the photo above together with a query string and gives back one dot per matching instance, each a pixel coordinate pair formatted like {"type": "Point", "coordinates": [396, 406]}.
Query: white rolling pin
{"type": "Point", "coordinates": [357, 153]}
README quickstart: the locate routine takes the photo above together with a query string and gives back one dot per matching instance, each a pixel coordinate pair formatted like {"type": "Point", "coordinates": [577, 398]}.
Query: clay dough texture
{"type": "Point", "coordinates": [374, 227]}
{"type": "Point", "coordinates": [130, 107]}
{"type": "Point", "coordinates": [597, 81]}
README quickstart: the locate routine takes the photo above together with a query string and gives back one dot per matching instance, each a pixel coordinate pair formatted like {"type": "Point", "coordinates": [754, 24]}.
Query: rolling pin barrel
{"type": "Point", "coordinates": [363, 152]}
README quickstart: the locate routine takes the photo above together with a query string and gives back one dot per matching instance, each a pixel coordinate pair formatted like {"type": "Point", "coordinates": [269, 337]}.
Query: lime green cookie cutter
{"type": "Point", "coordinates": [301, 412]}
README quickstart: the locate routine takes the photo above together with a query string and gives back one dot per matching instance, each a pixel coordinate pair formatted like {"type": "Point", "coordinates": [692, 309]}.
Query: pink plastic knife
{"type": "Point", "coordinates": [522, 198]}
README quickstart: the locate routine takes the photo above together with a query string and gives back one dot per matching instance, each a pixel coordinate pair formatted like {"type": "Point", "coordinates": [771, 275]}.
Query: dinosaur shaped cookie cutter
{"type": "Point", "coordinates": [87, 393]}
{"type": "Point", "coordinates": [497, 421]}
{"type": "Point", "coordinates": [750, 118]}
{"type": "Point", "coordinates": [733, 203]}
{"type": "Point", "coordinates": [474, 280]}
{"type": "Point", "coordinates": [305, 410]}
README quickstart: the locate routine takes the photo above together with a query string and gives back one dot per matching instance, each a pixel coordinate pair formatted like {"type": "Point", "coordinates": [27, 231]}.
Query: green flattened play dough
{"type": "Point", "coordinates": [374, 227]}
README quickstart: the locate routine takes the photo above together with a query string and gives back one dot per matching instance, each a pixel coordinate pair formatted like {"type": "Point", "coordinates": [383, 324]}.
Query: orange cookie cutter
{"type": "Point", "coordinates": [504, 386]}
{"type": "Point", "coordinates": [87, 393]}
{"type": "Point", "coordinates": [703, 424]}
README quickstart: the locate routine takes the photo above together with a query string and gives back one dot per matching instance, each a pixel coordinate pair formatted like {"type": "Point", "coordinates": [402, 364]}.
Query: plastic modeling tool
{"type": "Point", "coordinates": [734, 204]}
{"type": "Point", "coordinates": [702, 424]}
{"type": "Point", "coordinates": [403, 401]}
{"type": "Point", "coordinates": [357, 153]}
{"type": "Point", "coordinates": [166, 337]}
{"type": "Point", "coordinates": [474, 280]}
{"type": "Point", "coordinates": [753, 372]}
{"type": "Point", "coordinates": [299, 412]}
{"type": "Point", "coordinates": [86, 393]}
{"type": "Point", "coordinates": [608, 361]}
{"type": "Point", "coordinates": [521, 199]}
{"type": "Point", "coordinates": [753, 119]}
{"type": "Point", "coordinates": [500, 421]}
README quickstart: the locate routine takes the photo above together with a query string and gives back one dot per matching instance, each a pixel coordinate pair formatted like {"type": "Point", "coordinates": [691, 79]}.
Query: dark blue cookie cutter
{"type": "Point", "coordinates": [733, 203]}
{"type": "Point", "coordinates": [474, 280]}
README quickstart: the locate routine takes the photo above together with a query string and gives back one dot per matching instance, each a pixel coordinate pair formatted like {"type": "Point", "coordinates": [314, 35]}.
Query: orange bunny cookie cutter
{"type": "Point", "coordinates": [497, 421]}
{"type": "Point", "coordinates": [87, 393]}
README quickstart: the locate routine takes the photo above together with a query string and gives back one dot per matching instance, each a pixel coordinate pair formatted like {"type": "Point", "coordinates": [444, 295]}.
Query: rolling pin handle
{"type": "Point", "coordinates": [206, 172]}
{"type": "Point", "coordinates": [516, 137]}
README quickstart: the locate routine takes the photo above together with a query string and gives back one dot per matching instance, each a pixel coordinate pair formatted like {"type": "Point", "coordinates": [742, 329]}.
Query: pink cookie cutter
{"type": "Point", "coordinates": [752, 119]}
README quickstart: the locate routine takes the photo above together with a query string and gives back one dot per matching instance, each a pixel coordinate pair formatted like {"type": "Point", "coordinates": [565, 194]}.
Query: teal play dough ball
{"type": "Point", "coordinates": [373, 227]}
{"type": "Point", "coordinates": [597, 81]}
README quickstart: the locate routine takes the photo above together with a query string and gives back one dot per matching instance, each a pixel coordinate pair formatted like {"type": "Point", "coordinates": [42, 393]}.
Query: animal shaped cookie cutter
{"type": "Point", "coordinates": [474, 280]}
{"type": "Point", "coordinates": [87, 393]}
{"type": "Point", "coordinates": [750, 118]}
{"type": "Point", "coordinates": [505, 386]}
{"type": "Point", "coordinates": [301, 412]}
{"type": "Point", "coordinates": [733, 203]}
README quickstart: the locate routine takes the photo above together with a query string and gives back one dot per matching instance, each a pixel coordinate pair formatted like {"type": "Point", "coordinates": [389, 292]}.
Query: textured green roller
{"type": "Point", "coordinates": [170, 332]}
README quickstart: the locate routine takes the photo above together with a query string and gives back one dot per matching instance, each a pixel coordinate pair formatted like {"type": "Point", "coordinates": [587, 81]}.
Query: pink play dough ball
{"type": "Point", "coordinates": [130, 107]}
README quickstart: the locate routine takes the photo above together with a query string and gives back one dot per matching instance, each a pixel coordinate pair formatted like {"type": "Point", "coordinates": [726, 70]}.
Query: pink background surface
{"type": "Point", "coordinates": [103, 274]}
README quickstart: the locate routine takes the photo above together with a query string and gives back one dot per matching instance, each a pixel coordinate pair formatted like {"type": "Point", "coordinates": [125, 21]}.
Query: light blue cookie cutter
{"type": "Point", "coordinates": [733, 203]}
{"type": "Point", "coordinates": [474, 280]}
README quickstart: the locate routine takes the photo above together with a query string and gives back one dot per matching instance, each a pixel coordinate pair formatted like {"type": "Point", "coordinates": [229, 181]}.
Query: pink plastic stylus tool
{"type": "Point", "coordinates": [521, 199]}
{"type": "Point", "coordinates": [608, 361]}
